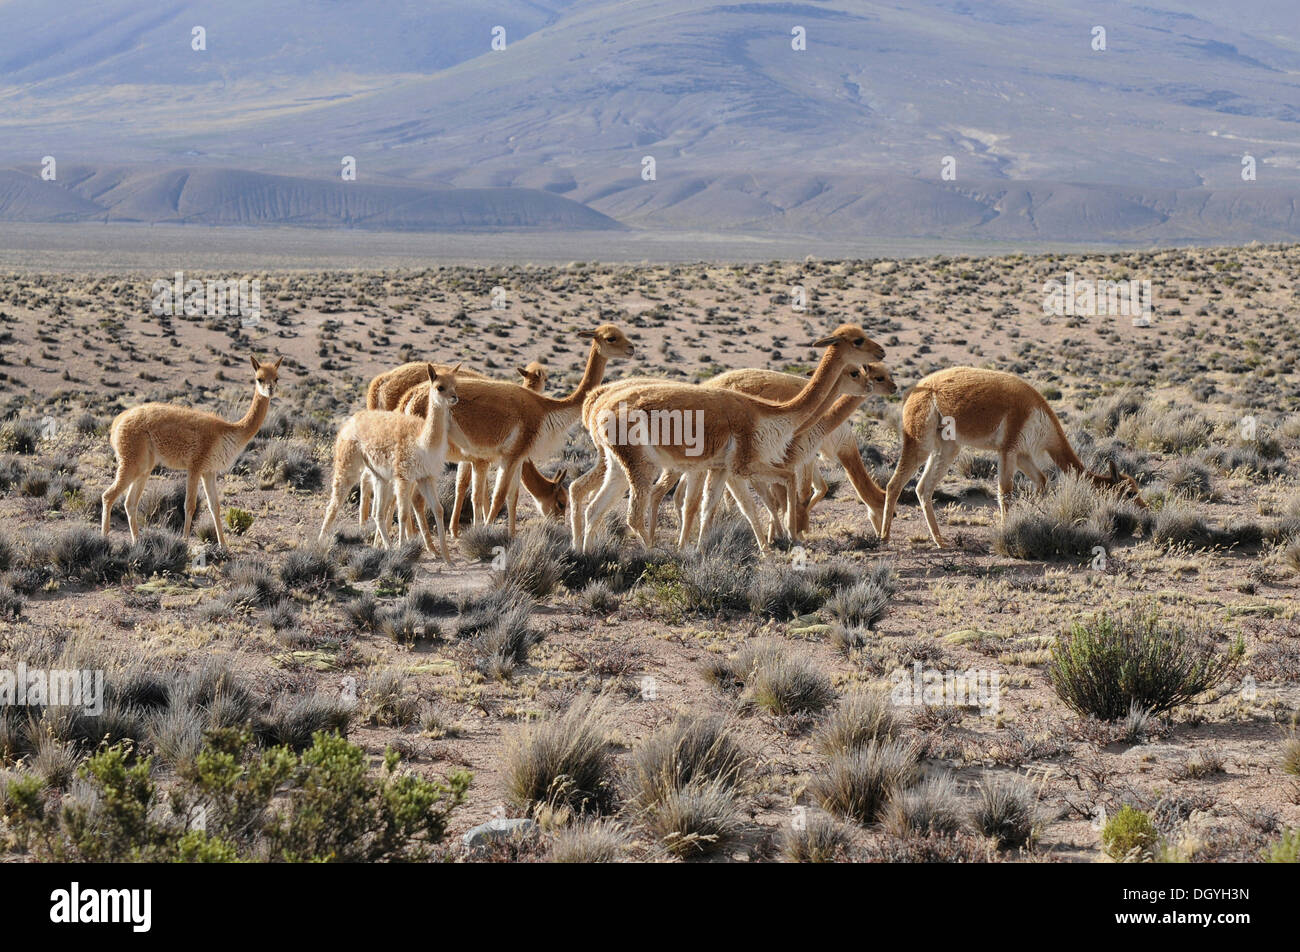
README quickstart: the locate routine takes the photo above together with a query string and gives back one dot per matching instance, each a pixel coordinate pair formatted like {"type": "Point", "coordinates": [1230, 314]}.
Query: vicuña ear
{"type": "Point", "coordinates": [1114, 471]}
{"type": "Point", "coordinates": [432, 372]}
{"type": "Point", "coordinates": [253, 360]}
{"type": "Point", "coordinates": [276, 365]}
{"type": "Point", "coordinates": [559, 477]}
{"type": "Point", "coordinates": [826, 341]}
{"type": "Point", "coordinates": [587, 335]}
{"type": "Point", "coordinates": [456, 369]}
{"type": "Point", "coordinates": [522, 371]}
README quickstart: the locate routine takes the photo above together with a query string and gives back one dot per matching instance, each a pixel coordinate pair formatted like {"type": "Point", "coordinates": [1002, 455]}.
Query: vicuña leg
{"type": "Point", "coordinates": [613, 486]}
{"type": "Point", "coordinates": [507, 479]}
{"type": "Point", "coordinates": [941, 458]}
{"type": "Point", "coordinates": [1006, 482]}
{"type": "Point", "coordinates": [1026, 464]}
{"type": "Point", "coordinates": [213, 495]}
{"type": "Point", "coordinates": [347, 472]}
{"type": "Point", "coordinates": [429, 489]}
{"type": "Point", "coordinates": [121, 482]}
{"type": "Point", "coordinates": [132, 504]}
{"type": "Point", "coordinates": [580, 492]}
{"type": "Point", "coordinates": [691, 490]}
{"type": "Point", "coordinates": [464, 481]}
{"type": "Point", "coordinates": [909, 461]}
{"type": "Point", "coordinates": [191, 500]}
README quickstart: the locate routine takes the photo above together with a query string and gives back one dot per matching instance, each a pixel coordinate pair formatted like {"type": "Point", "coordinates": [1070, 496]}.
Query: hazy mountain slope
{"type": "Point", "coordinates": [234, 197]}
{"type": "Point", "coordinates": [1050, 138]}
{"type": "Point", "coordinates": [27, 198]}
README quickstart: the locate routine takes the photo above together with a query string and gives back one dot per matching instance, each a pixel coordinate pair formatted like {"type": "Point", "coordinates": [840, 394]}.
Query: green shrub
{"type": "Point", "coordinates": [338, 812]}
{"type": "Point", "coordinates": [1286, 849]}
{"type": "Point", "coordinates": [238, 520]}
{"type": "Point", "coordinates": [1104, 667]}
{"type": "Point", "coordinates": [321, 806]}
{"type": "Point", "coordinates": [1129, 833]}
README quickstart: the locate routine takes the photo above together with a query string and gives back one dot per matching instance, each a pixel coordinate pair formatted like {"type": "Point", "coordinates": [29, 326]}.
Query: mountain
{"type": "Point", "coordinates": [1049, 138]}
{"type": "Point", "coordinates": [235, 197]}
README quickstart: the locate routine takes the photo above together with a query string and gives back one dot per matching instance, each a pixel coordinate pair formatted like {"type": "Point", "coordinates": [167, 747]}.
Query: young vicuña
{"type": "Point", "coordinates": [511, 426]}
{"type": "Point", "coordinates": [403, 453]}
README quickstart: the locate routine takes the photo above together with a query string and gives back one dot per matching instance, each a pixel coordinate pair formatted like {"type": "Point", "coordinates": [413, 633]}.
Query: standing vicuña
{"type": "Point", "coordinates": [403, 453]}
{"type": "Point", "coordinates": [988, 410]}
{"type": "Point", "coordinates": [511, 426]}
{"type": "Point", "coordinates": [200, 443]}
{"type": "Point", "coordinates": [735, 434]}
{"type": "Point", "coordinates": [391, 391]}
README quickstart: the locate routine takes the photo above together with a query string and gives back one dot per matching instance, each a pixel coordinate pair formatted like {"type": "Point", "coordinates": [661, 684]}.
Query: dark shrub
{"type": "Point", "coordinates": [563, 761]}
{"type": "Point", "coordinates": [289, 464]}
{"type": "Point", "coordinates": [858, 784]}
{"type": "Point", "coordinates": [1103, 667]}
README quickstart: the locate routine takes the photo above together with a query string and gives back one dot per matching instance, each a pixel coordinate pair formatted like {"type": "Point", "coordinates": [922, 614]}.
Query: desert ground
{"type": "Point", "coordinates": [762, 677]}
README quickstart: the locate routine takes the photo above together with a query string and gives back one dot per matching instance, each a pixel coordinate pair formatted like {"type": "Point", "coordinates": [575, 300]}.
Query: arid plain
{"type": "Point", "coordinates": [1202, 406]}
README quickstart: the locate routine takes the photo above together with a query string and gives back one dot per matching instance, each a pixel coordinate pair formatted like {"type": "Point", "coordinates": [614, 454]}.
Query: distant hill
{"type": "Point", "coordinates": [1049, 137]}
{"type": "Point", "coordinates": [232, 197]}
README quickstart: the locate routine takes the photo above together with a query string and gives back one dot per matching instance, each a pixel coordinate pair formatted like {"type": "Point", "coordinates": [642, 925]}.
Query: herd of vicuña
{"type": "Point", "coordinates": [746, 434]}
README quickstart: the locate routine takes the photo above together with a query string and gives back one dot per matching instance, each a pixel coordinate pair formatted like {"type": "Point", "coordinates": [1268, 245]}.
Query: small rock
{"type": "Point", "coordinates": [498, 828]}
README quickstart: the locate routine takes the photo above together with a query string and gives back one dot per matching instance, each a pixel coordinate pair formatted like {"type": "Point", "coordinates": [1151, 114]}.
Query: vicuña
{"type": "Point", "coordinates": [201, 444]}
{"type": "Point", "coordinates": [987, 410]}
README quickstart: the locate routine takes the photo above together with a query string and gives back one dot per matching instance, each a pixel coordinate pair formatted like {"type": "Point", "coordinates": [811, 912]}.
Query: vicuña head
{"type": "Point", "coordinates": [878, 380]}
{"type": "Point", "coordinates": [534, 374]}
{"type": "Point", "coordinates": [442, 387]}
{"type": "Point", "coordinates": [609, 341]}
{"type": "Point", "coordinates": [852, 342]}
{"type": "Point", "coordinates": [1116, 481]}
{"type": "Point", "coordinates": [265, 376]}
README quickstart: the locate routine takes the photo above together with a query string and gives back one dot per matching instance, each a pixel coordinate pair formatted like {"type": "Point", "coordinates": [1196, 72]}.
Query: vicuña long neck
{"type": "Point", "coordinates": [591, 378]}
{"type": "Point", "coordinates": [806, 402]}
{"type": "Point", "coordinates": [843, 408]}
{"type": "Point", "coordinates": [434, 431]}
{"type": "Point", "coordinates": [1062, 453]}
{"type": "Point", "coordinates": [246, 427]}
